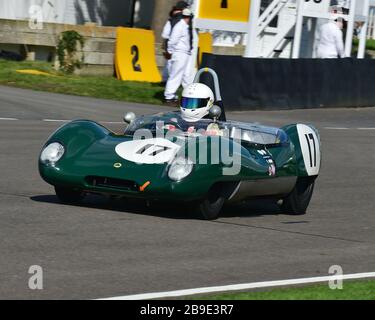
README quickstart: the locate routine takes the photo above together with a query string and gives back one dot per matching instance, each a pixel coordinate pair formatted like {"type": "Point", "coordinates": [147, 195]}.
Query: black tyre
{"type": "Point", "coordinates": [297, 202]}
{"type": "Point", "coordinates": [67, 195]}
{"type": "Point", "coordinates": [210, 207]}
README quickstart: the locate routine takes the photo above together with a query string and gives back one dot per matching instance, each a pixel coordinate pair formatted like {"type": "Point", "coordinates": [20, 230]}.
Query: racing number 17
{"type": "Point", "coordinates": [156, 150]}
{"type": "Point", "coordinates": [312, 149]}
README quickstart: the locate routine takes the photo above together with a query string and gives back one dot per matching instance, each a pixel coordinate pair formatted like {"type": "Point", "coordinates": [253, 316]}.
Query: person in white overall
{"type": "Point", "coordinates": [331, 41]}
{"type": "Point", "coordinates": [175, 16]}
{"type": "Point", "coordinates": [180, 47]}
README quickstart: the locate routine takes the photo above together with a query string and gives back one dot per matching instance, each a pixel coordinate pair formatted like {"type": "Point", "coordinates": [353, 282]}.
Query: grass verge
{"type": "Point", "coordinates": [370, 44]}
{"type": "Point", "coordinates": [352, 290]}
{"type": "Point", "coordinates": [89, 86]}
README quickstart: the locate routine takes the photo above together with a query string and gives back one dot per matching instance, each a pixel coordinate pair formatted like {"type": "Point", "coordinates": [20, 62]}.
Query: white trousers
{"type": "Point", "coordinates": [179, 74]}
{"type": "Point", "coordinates": [166, 70]}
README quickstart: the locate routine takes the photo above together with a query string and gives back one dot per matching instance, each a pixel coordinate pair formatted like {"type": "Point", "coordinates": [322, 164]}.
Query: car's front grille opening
{"type": "Point", "coordinates": [113, 183]}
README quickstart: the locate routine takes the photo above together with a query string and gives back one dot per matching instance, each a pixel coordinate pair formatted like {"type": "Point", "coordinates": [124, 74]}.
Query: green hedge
{"type": "Point", "coordinates": [370, 44]}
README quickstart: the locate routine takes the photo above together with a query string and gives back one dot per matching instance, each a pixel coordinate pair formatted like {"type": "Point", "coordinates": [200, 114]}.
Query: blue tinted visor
{"type": "Point", "coordinates": [193, 103]}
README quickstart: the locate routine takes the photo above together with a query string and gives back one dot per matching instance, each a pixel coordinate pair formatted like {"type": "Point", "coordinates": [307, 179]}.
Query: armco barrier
{"type": "Point", "coordinates": [274, 84]}
{"type": "Point", "coordinates": [135, 55]}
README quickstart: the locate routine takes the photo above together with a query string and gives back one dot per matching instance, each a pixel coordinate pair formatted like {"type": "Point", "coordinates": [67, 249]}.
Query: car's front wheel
{"type": "Point", "coordinates": [67, 195]}
{"type": "Point", "coordinates": [297, 202]}
{"type": "Point", "coordinates": [210, 207]}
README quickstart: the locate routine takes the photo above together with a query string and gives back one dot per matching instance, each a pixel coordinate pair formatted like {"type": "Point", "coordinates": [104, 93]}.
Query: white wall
{"type": "Point", "coordinates": [53, 10]}
{"type": "Point", "coordinates": [102, 12]}
{"type": "Point", "coordinates": [16, 9]}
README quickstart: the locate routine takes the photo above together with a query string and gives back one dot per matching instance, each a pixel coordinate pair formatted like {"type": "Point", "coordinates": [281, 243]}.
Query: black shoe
{"type": "Point", "coordinates": [171, 102]}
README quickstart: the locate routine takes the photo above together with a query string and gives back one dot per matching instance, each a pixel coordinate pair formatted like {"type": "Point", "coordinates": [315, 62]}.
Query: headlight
{"type": "Point", "coordinates": [52, 153]}
{"type": "Point", "coordinates": [180, 169]}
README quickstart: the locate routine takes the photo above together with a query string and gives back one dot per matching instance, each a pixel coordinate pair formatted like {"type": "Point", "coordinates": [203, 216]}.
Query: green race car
{"type": "Point", "coordinates": [162, 157]}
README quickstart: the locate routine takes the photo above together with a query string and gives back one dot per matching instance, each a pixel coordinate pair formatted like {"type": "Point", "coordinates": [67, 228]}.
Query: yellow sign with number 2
{"type": "Point", "coordinates": [135, 55]}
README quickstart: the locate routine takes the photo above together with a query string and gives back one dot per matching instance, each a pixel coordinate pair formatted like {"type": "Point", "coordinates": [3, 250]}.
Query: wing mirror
{"type": "Point", "coordinates": [215, 113]}
{"type": "Point", "coordinates": [129, 117]}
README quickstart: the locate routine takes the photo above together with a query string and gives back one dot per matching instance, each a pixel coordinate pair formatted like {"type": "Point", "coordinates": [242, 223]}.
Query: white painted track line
{"type": "Point", "coordinates": [53, 120]}
{"type": "Point", "coordinates": [343, 128]}
{"type": "Point", "coordinates": [119, 122]}
{"type": "Point", "coordinates": [336, 128]}
{"type": "Point", "coordinates": [8, 119]}
{"type": "Point", "coordinates": [103, 122]}
{"type": "Point", "coordinates": [240, 287]}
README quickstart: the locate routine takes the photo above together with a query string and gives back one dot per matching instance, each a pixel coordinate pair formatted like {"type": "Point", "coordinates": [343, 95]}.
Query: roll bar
{"type": "Point", "coordinates": [216, 81]}
{"type": "Point", "coordinates": [215, 77]}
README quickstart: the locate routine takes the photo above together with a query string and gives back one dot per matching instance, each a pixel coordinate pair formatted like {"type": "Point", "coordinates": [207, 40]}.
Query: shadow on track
{"type": "Point", "coordinates": [254, 208]}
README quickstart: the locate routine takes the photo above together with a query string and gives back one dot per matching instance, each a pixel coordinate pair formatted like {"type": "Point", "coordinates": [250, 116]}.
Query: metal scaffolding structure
{"type": "Point", "coordinates": [294, 34]}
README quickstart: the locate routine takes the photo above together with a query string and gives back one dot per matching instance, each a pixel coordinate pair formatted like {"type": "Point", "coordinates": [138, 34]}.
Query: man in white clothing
{"type": "Point", "coordinates": [331, 41]}
{"type": "Point", "coordinates": [180, 47]}
{"type": "Point", "coordinates": [175, 16]}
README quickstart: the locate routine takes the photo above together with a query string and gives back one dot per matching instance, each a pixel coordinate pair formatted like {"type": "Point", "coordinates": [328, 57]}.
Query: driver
{"type": "Point", "coordinates": [196, 102]}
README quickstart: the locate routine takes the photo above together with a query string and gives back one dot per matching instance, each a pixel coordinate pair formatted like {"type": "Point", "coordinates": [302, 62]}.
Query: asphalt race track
{"type": "Point", "coordinates": [106, 248]}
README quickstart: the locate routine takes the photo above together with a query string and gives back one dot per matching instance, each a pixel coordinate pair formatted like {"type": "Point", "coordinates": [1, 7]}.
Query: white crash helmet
{"type": "Point", "coordinates": [196, 101]}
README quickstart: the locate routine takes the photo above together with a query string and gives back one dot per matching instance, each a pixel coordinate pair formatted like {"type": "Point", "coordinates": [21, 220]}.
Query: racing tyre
{"type": "Point", "coordinates": [67, 195]}
{"type": "Point", "coordinates": [299, 199]}
{"type": "Point", "coordinates": [210, 208]}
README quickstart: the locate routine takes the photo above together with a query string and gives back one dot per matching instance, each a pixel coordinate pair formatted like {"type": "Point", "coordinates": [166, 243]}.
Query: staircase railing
{"type": "Point", "coordinates": [269, 14]}
{"type": "Point", "coordinates": [278, 38]}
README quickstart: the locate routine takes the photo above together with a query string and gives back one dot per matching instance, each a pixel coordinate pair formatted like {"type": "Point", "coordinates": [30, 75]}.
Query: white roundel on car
{"type": "Point", "coordinates": [310, 147]}
{"type": "Point", "coordinates": [149, 151]}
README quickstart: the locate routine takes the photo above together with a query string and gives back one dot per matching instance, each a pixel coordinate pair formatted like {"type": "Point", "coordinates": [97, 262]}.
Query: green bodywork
{"type": "Point", "coordinates": [90, 152]}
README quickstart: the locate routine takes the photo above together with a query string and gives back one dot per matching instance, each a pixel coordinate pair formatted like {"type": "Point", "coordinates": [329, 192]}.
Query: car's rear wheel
{"type": "Point", "coordinates": [297, 202]}
{"type": "Point", "coordinates": [68, 195]}
{"type": "Point", "coordinates": [210, 207]}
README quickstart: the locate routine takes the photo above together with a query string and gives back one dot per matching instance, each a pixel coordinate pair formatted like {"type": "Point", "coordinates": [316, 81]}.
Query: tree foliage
{"type": "Point", "coordinates": [68, 47]}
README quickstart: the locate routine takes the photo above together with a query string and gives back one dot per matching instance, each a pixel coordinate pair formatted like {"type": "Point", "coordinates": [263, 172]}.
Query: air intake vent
{"type": "Point", "coordinates": [112, 183]}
